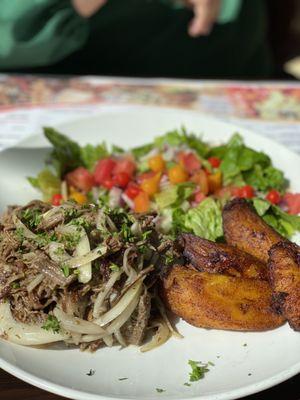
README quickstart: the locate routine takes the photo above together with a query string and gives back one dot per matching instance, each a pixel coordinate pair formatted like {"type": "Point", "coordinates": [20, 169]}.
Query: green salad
{"type": "Point", "coordinates": [181, 178]}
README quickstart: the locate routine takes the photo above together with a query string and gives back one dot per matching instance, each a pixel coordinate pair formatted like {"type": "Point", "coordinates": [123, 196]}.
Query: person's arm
{"type": "Point", "coordinates": [41, 32]}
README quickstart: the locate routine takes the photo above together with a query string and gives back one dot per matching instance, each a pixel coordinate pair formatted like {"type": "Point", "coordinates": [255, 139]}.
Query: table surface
{"type": "Point", "coordinates": [29, 102]}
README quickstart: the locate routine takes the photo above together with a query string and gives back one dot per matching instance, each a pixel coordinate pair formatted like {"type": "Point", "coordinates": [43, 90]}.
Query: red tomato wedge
{"type": "Point", "coordinates": [56, 199]}
{"type": "Point", "coordinates": [273, 196]}
{"type": "Point", "coordinates": [81, 179]}
{"type": "Point", "coordinates": [103, 170]}
{"type": "Point", "coordinates": [132, 190]}
{"type": "Point", "coordinates": [214, 162]}
{"type": "Point", "coordinates": [121, 179]}
{"type": "Point", "coordinates": [293, 202]}
{"type": "Point", "coordinates": [189, 161]}
{"type": "Point", "coordinates": [126, 165]}
{"type": "Point", "coordinates": [245, 192]}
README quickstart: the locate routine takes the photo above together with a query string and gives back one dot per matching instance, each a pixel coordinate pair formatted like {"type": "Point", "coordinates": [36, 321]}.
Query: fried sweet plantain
{"type": "Point", "coordinates": [218, 301]}
{"type": "Point", "coordinates": [209, 256]}
{"type": "Point", "coordinates": [246, 230]}
{"type": "Point", "coordinates": [284, 265]}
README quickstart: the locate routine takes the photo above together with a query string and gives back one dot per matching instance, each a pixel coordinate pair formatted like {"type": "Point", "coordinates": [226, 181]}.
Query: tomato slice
{"type": "Point", "coordinates": [126, 165]}
{"type": "Point", "coordinates": [121, 179]}
{"type": "Point", "coordinates": [56, 199]}
{"type": "Point", "coordinates": [246, 192]}
{"type": "Point", "coordinates": [81, 179]}
{"type": "Point", "coordinates": [293, 202]}
{"type": "Point", "coordinates": [273, 196]}
{"type": "Point", "coordinates": [189, 161]}
{"type": "Point", "coordinates": [214, 162]}
{"type": "Point", "coordinates": [132, 190]}
{"type": "Point", "coordinates": [103, 170]}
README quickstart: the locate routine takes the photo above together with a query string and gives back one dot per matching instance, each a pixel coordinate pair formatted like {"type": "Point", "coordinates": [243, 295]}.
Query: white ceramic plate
{"type": "Point", "coordinates": [244, 362]}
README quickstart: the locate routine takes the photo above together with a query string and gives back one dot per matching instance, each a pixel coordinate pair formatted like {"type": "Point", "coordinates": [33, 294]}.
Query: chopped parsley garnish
{"type": "Point", "coordinates": [198, 370]}
{"type": "Point", "coordinates": [19, 232]}
{"type": "Point", "coordinates": [15, 285]}
{"type": "Point", "coordinates": [65, 269]}
{"type": "Point", "coordinates": [126, 233]}
{"type": "Point", "coordinates": [159, 390]}
{"type": "Point", "coordinates": [44, 238]}
{"type": "Point", "coordinates": [146, 234]}
{"type": "Point", "coordinates": [70, 240]}
{"type": "Point", "coordinates": [91, 372]}
{"type": "Point", "coordinates": [70, 213]}
{"type": "Point", "coordinates": [114, 268]}
{"type": "Point", "coordinates": [81, 222]}
{"type": "Point", "coordinates": [51, 323]}
{"type": "Point", "coordinates": [59, 251]}
{"type": "Point", "coordinates": [122, 379]}
{"type": "Point", "coordinates": [31, 217]}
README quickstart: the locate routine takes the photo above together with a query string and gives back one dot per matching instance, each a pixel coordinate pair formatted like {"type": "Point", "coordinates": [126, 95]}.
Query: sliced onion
{"type": "Point", "coordinates": [64, 190]}
{"type": "Point", "coordinates": [35, 282]}
{"type": "Point", "coordinates": [136, 229]}
{"type": "Point", "coordinates": [104, 292]}
{"type": "Point", "coordinates": [122, 318]}
{"type": "Point", "coordinates": [57, 252]}
{"type": "Point", "coordinates": [83, 248]}
{"type": "Point", "coordinates": [127, 200]}
{"type": "Point", "coordinates": [78, 325]}
{"type": "Point", "coordinates": [108, 340]}
{"type": "Point", "coordinates": [119, 338]}
{"type": "Point", "coordinates": [122, 304]}
{"type": "Point", "coordinates": [161, 336]}
{"type": "Point", "coordinates": [25, 334]}
{"type": "Point", "coordinates": [130, 272]}
{"type": "Point", "coordinates": [114, 197]}
{"type": "Point", "coordinates": [162, 310]}
{"type": "Point", "coordinates": [19, 225]}
{"type": "Point", "coordinates": [90, 338]}
{"type": "Point", "coordinates": [98, 252]}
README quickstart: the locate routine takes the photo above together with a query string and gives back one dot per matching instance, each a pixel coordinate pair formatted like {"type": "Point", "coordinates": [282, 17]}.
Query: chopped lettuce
{"type": "Point", "coordinates": [242, 165]}
{"type": "Point", "coordinates": [174, 195]}
{"type": "Point", "coordinates": [47, 183]}
{"type": "Point", "coordinates": [205, 220]}
{"type": "Point", "coordinates": [181, 137]}
{"type": "Point", "coordinates": [281, 221]}
{"type": "Point", "coordinates": [142, 150]}
{"type": "Point", "coordinates": [264, 179]}
{"type": "Point", "coordinates": [91, 154]}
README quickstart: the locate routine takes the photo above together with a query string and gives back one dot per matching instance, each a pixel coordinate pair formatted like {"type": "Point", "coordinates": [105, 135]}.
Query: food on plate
{"type": "Point", "coordinates": [246, 230]}
{"type": "Point", "coordinates": [209, 256]}
{"type": "Point", "coordinates": [82, 274]}
{"type": "Point", "coordinates": [123, 233]}
{"type": "Point", "coordinates": [214, 300]}
{"type": "Point", "coordinates": [185, 180]}
{"type": "Point", "coordinates": [284, 265]}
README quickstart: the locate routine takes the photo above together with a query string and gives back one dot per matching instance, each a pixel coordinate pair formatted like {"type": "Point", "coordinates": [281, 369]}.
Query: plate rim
{"type": "Point", "coordinates": [83, 395]}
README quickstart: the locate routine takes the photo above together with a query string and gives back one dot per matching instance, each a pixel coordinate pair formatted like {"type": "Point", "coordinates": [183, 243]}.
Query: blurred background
{"type": "Point", "coordinates": [248, 39]}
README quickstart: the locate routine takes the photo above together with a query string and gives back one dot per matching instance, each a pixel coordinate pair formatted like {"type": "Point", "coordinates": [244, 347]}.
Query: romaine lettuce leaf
{"type": "Point", "coordinates": [282, 222]}
{"type": "Point", "coordinates": [205, 220]}
{"type": "Point", "coordinates": [91, 154]}
{"type": "Point", "coordinates": [47, 183]}
{"type": "Point", "coordinates": [66, 154]}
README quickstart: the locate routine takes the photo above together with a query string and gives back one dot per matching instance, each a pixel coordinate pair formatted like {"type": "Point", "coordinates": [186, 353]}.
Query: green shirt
{"type": "Point", "coordinates": [131, 37]}
{"type": "Point", "coordinates": [42, 32]}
